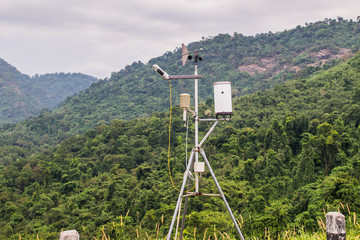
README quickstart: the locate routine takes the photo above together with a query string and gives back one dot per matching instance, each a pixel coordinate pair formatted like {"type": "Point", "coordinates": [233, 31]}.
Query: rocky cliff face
{"type": "Point", "coordinates": [273, 65]}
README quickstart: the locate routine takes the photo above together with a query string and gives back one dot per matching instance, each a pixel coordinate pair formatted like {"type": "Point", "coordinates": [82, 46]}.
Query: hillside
{"type": "Point", "coordinates": [16, 103]}
{"type": "Point", "coordinates": [22, 96]}
{"type": "Point", "coordinates": [288, 155]}
{"type": "Point", "coordinates": [251, 63]}
{"type": "Point", "coordinates": [59, 86]}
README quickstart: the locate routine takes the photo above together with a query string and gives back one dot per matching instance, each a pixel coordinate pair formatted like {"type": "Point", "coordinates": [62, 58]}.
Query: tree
{"type": "Point", "coordinates": [328, 145]}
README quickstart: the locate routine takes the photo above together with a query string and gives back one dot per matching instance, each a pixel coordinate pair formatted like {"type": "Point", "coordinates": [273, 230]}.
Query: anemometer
{"type": "Point", "coordinates": [223, 112]}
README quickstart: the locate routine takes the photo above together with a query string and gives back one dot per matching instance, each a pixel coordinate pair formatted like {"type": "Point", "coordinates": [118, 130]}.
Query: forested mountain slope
{"type": "Point", "coordinates": [59, 86]}
{"type": "Point", "coordinates": [16, 104]}
{"type": "Point", "coordinates": [288, 155]}
{"type": "Point", "coordinates": [22, 96]}
{"type": "Point", "coordinates": [251, 63]}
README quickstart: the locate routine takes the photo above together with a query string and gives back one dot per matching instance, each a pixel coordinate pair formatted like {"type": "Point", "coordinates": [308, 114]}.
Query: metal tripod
{"type": "Point", "coordinates": [196, 193]}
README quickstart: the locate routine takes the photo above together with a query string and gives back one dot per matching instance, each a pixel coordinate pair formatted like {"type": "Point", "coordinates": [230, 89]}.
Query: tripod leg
{"type": "Point", "coordinates": [178, 220]}
{"type": "Point", "coordinates": [184, 214]}
{"type": "Point", "coordinates": [180, 195]}
{"type": "Point", "coordinates": [185, 208]}
{"type": "Point", "coordinates": [222, 194]}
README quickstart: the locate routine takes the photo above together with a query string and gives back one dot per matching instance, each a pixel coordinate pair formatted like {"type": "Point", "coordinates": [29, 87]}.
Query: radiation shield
{"type": "Point", "coordinates": [222, 98]}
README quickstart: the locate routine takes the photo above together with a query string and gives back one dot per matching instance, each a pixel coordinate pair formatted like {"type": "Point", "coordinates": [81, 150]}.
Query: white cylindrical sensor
{"type": "Point", "coordinates": [222, 98]}
{"type": "Point", "coordinates": [184, 101]}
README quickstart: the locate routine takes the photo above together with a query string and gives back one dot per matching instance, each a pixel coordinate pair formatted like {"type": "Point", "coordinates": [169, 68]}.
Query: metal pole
{"type": "Point", "coordinates": [184, 214]}
{"type": "Point", "coordinates": [222, 194]}
{"type": "Point", "coordinates": [180, 195]}
{"type": "Point", "coordinates": [208, 133]}
{"type": "Point", "coordinates": [196, 124]}
{"type": "Point", "coordinates": [178, 220]}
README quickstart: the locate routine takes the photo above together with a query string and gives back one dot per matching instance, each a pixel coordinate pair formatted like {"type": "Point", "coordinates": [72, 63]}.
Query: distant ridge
{"type": "Point", "coordinates": [22, 96]}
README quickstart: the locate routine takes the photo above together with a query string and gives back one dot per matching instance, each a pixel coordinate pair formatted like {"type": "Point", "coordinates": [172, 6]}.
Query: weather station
{"type": "Point", "coordinates": [195, 167]}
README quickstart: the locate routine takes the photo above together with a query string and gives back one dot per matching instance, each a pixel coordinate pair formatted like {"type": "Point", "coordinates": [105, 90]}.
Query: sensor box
{"type": "Point", "coordinates": [222, 98]}
{"type": "Point", "coordinates": [199, 167]}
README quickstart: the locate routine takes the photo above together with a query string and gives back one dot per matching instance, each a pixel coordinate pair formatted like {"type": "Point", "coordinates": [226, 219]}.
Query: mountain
{"type": "Point", "coordinates": [16, 102]}
{"type": "Point", "coordinates": [22, 96]}
{"type": "Point", "coordinates": [59, 86]}
{"type": "Point", "coordinates": [289, 154]}
{"type": "Point", "coordinates": [251, 63]}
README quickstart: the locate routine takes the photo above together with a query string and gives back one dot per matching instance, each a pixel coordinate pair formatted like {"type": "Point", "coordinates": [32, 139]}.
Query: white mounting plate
{"type": "Point", "coordinates": [199, 167]}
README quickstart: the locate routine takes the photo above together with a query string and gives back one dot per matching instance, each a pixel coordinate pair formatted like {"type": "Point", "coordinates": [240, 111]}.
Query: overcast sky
{"type": "Point", "coordinates": [97, 37]}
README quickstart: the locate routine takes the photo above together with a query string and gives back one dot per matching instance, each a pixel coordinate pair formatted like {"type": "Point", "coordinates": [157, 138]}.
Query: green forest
{"type": "Point", "coordinates": [289, 154]}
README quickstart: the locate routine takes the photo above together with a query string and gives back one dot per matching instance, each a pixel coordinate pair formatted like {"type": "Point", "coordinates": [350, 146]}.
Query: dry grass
{"type": "Point", "coordinates": [294, 233]}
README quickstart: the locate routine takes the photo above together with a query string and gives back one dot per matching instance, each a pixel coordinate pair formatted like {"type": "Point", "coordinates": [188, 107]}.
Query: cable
{"type": "Point", "coordinates": [172, 182]}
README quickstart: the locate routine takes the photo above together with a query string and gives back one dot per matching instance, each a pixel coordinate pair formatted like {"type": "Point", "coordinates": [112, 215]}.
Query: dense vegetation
{"type": "Point", "coordinates": [60, 86]}
{"type": "Point", "coordinates": [22, 96]}
{"type": "Point", "coordinates": [288, 155]}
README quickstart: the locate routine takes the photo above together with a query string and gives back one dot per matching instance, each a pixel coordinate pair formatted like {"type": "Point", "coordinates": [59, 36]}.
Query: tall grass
{"type": "Point", "coordinates": [121, 229]}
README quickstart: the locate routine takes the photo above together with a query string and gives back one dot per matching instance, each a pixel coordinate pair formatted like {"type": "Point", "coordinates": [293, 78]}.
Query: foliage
{"type": "Point", "coordinates": [288, 155]}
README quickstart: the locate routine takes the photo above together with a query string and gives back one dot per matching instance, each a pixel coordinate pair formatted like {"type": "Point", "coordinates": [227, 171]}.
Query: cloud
{"type": "Point", "coordinates": [99, 37]}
